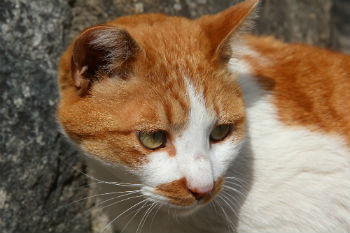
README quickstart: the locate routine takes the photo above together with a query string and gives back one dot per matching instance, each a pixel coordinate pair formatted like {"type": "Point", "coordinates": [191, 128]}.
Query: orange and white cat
{"type": "Point", "coordinates": [212, 130]}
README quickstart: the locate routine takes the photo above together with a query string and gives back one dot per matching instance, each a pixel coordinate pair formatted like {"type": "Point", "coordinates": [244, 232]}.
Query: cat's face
{"type": "Point", "coordinates": [158, 100]}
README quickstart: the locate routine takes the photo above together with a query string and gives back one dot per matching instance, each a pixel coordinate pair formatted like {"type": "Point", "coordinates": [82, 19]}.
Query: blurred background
{"type": "Point", "coordinates": [39, 169]}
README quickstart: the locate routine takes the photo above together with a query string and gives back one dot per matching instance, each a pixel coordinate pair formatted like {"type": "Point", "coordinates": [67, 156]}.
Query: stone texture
{"type": "Point", "coordinates": [315, 22]}
{"type": "Point", "coordinates": [39, 170]}
{"type": "Point", "coordinates": [37, 165]}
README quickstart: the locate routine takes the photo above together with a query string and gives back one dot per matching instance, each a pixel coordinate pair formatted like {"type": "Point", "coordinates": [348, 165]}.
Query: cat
{"type": "Point", "coordinates": [196, 126]}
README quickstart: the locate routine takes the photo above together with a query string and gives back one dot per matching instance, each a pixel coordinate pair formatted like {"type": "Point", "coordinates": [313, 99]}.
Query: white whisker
{"type": "Point", "coordinates": [233, 189]}
{"type": "Point", "coordinates": [99, 181]}
{"type": "Point", "coordinates": [241, 181]}
{"type": "Point", "coordinates": [144, 218]}
{"type": "Point", "coordinates": [236, 183]}
{"type": "Point", "coordinates": [92, 196]}
{"type": "Point", "coordinates": [127, 194]}
{"type": "Point", "coordinates": [229, 204]}
{"type": "Point", "coordinates": [159, 206]}
{"type": "Point", "coordinates": [225, 215]}
{"type": "Point", "coordinates": [135, 205]}
{"type": "Point", "coordinates": [213, 203]}
{"type": "Point", "coordinates": [138, 211]}
{"type": "Point", "coordinates": [229, 195]}
{"type": "Point", "coordinates": [154, 208]}
{"type": "Point", "coordinates": [114, 203]}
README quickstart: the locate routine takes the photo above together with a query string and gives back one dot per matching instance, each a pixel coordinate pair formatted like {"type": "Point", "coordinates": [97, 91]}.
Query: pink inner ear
{"type": "Point", "coordinates": [100, 50]}
{"type": "Point", "coordinates": [81, 82]}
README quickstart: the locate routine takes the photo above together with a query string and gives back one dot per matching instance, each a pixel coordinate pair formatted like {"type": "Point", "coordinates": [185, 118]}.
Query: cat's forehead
{"type": "Point", "coordinates": [172, 40]}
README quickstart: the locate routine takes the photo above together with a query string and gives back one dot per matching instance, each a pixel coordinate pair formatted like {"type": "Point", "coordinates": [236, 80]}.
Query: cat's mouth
{"type": "Point", "coordinates": [178, 199]}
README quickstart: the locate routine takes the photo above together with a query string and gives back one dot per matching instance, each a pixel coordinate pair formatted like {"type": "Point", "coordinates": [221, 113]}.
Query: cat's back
{"type": "Point", "coordinates": [310, 86]}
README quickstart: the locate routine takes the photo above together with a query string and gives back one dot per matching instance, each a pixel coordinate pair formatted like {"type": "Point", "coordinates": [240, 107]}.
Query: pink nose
{"type": "Point", "coordinates": [200, 192]}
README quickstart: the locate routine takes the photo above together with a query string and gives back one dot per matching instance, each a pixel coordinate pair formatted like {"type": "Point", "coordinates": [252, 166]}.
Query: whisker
{"type": "Point", "coordinates": [229, 195]}
{"type": "Point", "coordinates": [127, 194]}
{"type": "Point", "coordinates": [235, 182]}
{"type": "Point", "coordinates": [106, 182]}
{"type": "Point", "coordinates": [138, 211]}
{"type": "Point", "coordinates": [212, 203]}
{"type": "Point", "coordinates": [135, 205]}
{"type": "Point", "coordinates": [144, 218]}
{"type": "Point", "coordinates": [149, 214]}
{"type": "Point", "coordinates": [225, 215]}
{"type": "Point", "coordinates": [230, 204]}
{"type": "Point", "coordinates": [118, 184]}
{"type": "Point", "coordinates": [114, 203]}
{"type": "Point", "coordinates": [233, 201]}
{"type": "Point", "coordinates": [176, 216]}
{"type": "Point", "coordinates": [236, 179]}
{"type": "Point", "coordinates": [233, 189]}
{"type": "Point", "coordinates": [232, 209]}
{"type": "Point", "coordinates": [98, 205]}
{"type": "Point", "coordinates": [237, 188]}
{"type": "Point", "coordinates": [90, 183]}
{"type": "Point", "coordinates": [85, 198]}
{"type": "Point", "coordinates": [159, 206]}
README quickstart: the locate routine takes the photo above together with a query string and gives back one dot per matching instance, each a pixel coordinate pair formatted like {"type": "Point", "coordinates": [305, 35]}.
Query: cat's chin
{"type": "Point", "coordinates": [182, 210]}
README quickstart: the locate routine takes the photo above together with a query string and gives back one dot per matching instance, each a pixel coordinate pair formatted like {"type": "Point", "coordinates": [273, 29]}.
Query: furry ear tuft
{"type": "Point", "coordinates": [225, 28]}
{"type": "Point", "coordinates": [101, 51]}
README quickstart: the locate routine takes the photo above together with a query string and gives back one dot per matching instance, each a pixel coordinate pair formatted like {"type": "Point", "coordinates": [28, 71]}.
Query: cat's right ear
{"type": "Point", "coordinates": [101, 51]}
{"type": "Point", "coordinates": [225, 28]}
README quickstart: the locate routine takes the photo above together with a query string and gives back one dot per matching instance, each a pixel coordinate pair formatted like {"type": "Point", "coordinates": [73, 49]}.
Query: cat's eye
{"type": "Point", "coordinates": [152, 140]}
{"type": "Point", "coordinates": [220, 132]}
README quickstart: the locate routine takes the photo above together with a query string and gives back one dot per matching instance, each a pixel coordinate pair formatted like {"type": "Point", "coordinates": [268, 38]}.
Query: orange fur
{"type": "Point", "coordinates": [310, 85]}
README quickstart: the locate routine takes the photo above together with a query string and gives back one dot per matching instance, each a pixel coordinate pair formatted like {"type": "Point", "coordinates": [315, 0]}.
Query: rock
{"type": "Point", "coordinates": [319, 22]}
{"type": "Point", "coordinates": [40, 171]}
{"type": "Point", "coordinates": [38, 176]}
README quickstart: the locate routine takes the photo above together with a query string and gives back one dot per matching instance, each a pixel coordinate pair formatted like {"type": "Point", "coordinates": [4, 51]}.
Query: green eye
{"type": "Point", "coordinates": [152, 140]}
{"type": "Point", "coordinates": [220, 132]}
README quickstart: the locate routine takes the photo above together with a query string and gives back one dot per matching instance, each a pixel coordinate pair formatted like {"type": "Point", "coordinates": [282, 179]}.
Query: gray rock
{"type": "Point", "coordinates": [39, 170]}
{"type": "Point", "coordinates": [37, 164]}
{"type": "Point", "coordinates": [317, 22]}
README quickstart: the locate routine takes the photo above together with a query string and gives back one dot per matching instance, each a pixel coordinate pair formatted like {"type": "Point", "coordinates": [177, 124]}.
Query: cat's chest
{"type": "Point", "coordinates": [309, 165]}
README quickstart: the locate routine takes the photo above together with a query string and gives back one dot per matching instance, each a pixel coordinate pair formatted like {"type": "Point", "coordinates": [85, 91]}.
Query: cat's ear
{"type": "Point", "coordinates": [225, 28]}
{"type": "Point", "coordinates": [101, 51]}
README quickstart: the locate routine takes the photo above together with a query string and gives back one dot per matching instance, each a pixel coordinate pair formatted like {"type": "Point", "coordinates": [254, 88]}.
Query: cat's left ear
{"type": "Point", "coordinates": [101, 51]}
{"type": "Point", "coordinates": [225, 28]}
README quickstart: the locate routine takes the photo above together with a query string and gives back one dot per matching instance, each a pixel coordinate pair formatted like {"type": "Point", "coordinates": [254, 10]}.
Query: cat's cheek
{"type": "Point", "coordinates": [223, 154]}
{"type": "Point", "coordinates": [163, 180]}
{"type": "Point", "coordinates": [160, 168]}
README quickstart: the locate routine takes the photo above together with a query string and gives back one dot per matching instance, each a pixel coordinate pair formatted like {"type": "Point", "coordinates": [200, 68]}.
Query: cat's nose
{"type": "Point", "coordinates": [200, 192]}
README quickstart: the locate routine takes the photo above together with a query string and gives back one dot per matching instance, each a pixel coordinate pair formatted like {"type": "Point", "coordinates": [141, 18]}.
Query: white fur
{"type": "Point", "coordinates": [300, 181]}
{"type": "Point", "coordinates": [195, 160]}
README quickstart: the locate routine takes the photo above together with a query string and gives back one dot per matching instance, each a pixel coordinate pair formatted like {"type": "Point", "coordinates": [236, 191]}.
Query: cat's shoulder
{"type": "Point", "coordinates": [310, 86]}
{"type": "Point", "coordinates": [296, 58]}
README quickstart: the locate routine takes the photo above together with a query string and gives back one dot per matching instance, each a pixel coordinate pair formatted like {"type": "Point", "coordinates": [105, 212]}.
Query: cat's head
{"type": "Point", "coordinates": [152, 93]}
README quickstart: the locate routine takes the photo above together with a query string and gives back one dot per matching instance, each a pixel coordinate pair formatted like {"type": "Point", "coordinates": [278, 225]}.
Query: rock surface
{"type": "Point", "coordinates": [39, 170]}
